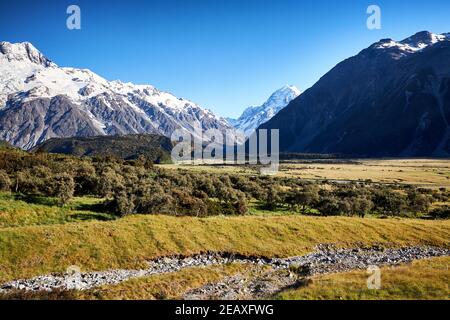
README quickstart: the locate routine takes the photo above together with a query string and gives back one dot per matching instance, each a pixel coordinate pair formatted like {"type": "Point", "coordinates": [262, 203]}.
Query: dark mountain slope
{"type": "Point", "coordinates": [155, 147]}
{"type": "Point", "coordinates": [392, 99]}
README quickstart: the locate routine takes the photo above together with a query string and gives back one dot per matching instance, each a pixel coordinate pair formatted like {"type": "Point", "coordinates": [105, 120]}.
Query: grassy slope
{"type": "Point", "coordinates": [425, 279]}
{"type": "Point", "coordinates": [128, 242]}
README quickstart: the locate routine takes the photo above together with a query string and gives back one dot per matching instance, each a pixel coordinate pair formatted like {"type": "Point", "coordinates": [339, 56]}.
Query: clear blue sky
{"type": "Point", "coordinates": [223, 54]}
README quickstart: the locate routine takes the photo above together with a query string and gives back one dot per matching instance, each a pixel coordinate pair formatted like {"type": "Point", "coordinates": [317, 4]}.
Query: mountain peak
{"type": "Point", "coordinates": [423, 38]}
{"type": "Point", "coordinates": [412, 44]}
{"type": "Point", "coordinates": [289, 89]}
{"type": "Point", "coordinates": [253, 117]}
{"type": "Point", "coordinates": [23, 51]}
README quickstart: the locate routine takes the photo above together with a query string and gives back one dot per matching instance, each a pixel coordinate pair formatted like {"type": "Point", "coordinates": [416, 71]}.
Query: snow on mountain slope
{"type": "Point", "coordinates": [415, 43]}
{"type": "Point", "coordinates": [40, 100]}
{"type": "Point", "coordinates": [253, 117]}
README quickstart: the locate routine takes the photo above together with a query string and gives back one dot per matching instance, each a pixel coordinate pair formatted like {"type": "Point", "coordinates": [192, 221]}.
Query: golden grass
{"type": "Point", "coordinates": [423, 172]}
{"type": "Point", "coordinates": [127, 243]}
{"type": "Point", "coordinates": [424, 279]}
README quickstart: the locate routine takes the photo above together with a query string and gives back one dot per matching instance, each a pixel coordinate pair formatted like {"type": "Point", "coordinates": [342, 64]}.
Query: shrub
{"type": "Point", "coordinates": [441, 212]}
{"type": "Point", "coordinates": [361, 206]}
{"type": "Point", "coordinates": [389, 202]}
{"type": "Point", "coordinates": [302, 198]}
{"type": "Point", "coordinates": [329, 205]}
{"type": "Point", "coordinates": [65, 188]}
{"type": "Point", "coordinates": [272, 197]}
{"type": "Point", "coordinates": [418, 202]}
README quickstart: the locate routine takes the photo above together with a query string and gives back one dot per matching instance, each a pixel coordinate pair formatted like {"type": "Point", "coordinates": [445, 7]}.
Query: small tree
{"type": "Point", "coordinates": [390, 202]}
{"type": "Point", "coordinates": [305, 197]}
{"type": "Point", "coordinates": [329, 206]}
{"type": "Point", "coordinates": [5, 181]}
{"type": "Point", "coordinates": [418, 202]}
{"type": "Point", "coordinates": [361, 206]}
{"type": "Point", "coordinates": [65, 188]}
{"type": "Point", "coordinates": [241, 204]}
{"type": "Point", "coordinates": [272, 198]}
{"type": "Point", "coordinates": [123, 203]}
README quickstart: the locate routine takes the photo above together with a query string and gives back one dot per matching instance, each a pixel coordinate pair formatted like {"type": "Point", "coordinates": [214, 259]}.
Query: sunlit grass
{"type": "Point", "coordinates": [424, 279]}
{"type": "Point", "coordinates": [129, 242]}
{"type": "Point", "coordinates": [18, 210]}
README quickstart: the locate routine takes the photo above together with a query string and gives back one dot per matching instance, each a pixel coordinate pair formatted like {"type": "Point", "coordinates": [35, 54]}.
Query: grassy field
{"type": "Point", "coordinates": [424, 172]}
{"type": "Point", "coordinates": [424, 279]}
{"type": "Point", "coordinates": [129, 242]}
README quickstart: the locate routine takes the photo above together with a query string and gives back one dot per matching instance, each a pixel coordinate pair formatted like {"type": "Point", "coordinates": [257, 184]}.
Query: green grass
{"type": "Point", "coordinates": [424, 279]}
{"type": "Point", "coordinates": [18, 210]}
{"type": "Point", "coordinates": [129, 242]}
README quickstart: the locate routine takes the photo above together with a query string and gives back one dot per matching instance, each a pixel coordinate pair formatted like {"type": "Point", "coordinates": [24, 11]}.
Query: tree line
{"type": "Point", "coordinates": [136, 186]}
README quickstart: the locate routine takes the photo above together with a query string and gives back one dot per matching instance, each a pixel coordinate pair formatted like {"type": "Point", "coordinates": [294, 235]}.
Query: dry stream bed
{"type": "Point", "coordinates": [267, 276]}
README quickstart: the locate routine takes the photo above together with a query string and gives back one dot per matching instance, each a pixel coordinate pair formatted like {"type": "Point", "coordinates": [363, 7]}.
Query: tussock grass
{"type": "Point", "coordinates": [129, 242]}
{"type": "Point", "coordinates": [424, 279]}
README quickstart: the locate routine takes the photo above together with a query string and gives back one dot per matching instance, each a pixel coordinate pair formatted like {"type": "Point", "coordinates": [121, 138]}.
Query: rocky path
{"type": "Point", "coordinates": [324, 260]}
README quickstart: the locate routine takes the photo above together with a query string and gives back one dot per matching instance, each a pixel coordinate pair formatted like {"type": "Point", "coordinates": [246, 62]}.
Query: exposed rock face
{"type": "Point", "coordinates": [39, 100]}
{"type": "Point", "coordinates": [392, 99]}
{"type": "Point", "coordinates": [30, 122]}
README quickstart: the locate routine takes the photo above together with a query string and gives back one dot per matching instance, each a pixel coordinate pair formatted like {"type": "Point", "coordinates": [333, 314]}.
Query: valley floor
{"type": "Point", "coordinates": [434, 173]}
{"type": "Point", "coordinates": [37, 238]}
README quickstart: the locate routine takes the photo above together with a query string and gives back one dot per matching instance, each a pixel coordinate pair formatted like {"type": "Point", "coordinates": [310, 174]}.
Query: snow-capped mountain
{"type": "Point", "coordinates": [40, 100]}
{"type": "Point", "coordinates": [253, 117]}
{"type": "Point", "coordinates": [391, 99]}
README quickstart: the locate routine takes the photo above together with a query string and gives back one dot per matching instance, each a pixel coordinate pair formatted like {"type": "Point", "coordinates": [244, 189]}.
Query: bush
{"type": "Point", "coordinates": [361, 206]}
{"type": "Point", "coordinates": [272, 197]}
{"type": "Point", "coordinates": [302, 198]}
{"type": "Point", "coordinates": [65, 188]}
{"type": "Point", "coordinates": [389, 202]}
{"type": "Point", "coordinates": [441, 212]}
{"type": "Point", "coordinates": [418, 202]}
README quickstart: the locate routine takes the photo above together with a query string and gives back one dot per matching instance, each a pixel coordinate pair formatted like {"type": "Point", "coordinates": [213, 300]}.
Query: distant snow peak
{"type": "Point", "coordinates": [253, 117]}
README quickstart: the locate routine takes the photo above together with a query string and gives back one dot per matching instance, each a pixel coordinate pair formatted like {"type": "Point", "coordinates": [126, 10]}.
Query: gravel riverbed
{"type": "Point", "coordinates": [325, 259]}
